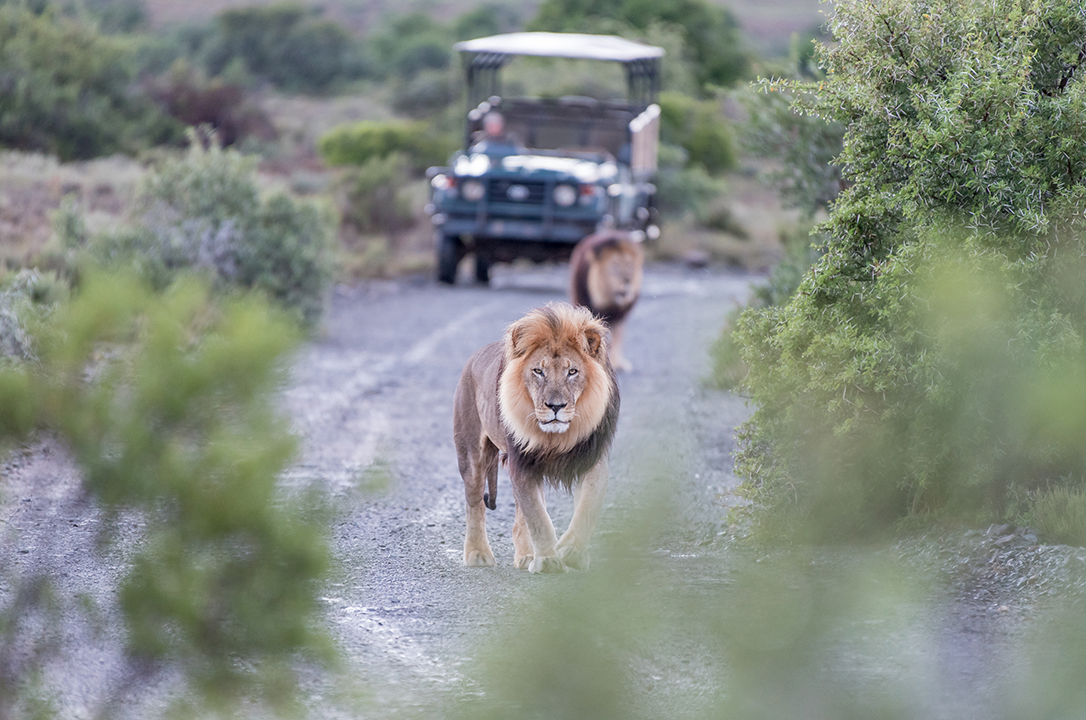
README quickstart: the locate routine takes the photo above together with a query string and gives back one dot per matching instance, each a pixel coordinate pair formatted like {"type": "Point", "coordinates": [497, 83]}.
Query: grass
{"type": "Point", "coordinates": [1059, 515]}
{"type": "Point", "coordinates": [33, 187]}
{"type": "Point", "coordinates": [750, 239]}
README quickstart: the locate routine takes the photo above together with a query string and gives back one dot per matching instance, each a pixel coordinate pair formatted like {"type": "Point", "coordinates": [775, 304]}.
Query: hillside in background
{"type": "Point", "coordinates": [769, 24]}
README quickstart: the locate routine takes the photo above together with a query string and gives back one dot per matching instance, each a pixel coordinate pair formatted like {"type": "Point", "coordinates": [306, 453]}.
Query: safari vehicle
{"type": "Point", "coordinates": [560, 168]}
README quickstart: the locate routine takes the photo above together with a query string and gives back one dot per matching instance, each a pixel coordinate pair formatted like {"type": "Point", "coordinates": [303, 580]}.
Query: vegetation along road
{"type": "Point", "coordinates": [679, 616]}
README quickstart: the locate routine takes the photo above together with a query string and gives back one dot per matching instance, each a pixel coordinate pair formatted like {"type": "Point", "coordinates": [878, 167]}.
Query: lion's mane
{"type": "Point", "coordinates": [562, 329]}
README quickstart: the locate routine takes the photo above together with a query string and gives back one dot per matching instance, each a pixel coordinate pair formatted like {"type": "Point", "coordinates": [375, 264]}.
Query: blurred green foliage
{"type": "Point", "coordinates": [359, 143]}
{"type": "Point", "coordinates": [803, 149]}
{"type": "Point", "coordinates": [205, 212]}
{"type": "Point", "coordinates": [188, 95]}
{"type": "Point", "coordinates": [373, 195]}
{"type": "Point", "coordinates": [68, 90]}
{"type": "Point", "coordinates": [166, 403]}
{"type": "Point", "coordinates": [895, 381]}
{"type": "Point", "coordinates": [1059, 515]}
{"type": "Point", "coordinates": [710, 32]}
{"type": "Point", "coordinates": [287, 44]}
{"type": "Point", "coordinates": [699, 127]}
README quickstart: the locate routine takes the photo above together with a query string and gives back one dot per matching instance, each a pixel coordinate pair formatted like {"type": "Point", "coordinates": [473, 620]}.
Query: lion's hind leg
{"type": "Point", "coordinates": [483, 471]}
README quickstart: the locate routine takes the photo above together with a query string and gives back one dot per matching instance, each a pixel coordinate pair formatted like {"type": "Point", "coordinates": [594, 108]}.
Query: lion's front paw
{"type": "Point", "coordinates": [475, 557]}
{"type": "Point", "coordinates": [521, 562]}
{"type": "Point", "coordinates": [573, 557]}
{"type": "Point", "coordinates": [546, 565]}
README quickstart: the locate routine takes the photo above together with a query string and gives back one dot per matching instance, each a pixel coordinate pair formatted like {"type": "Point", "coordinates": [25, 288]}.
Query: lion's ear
{"type": "Point", "coordinates": [595, 338]}
{"type": "Point", "coordinates": [514, 336]}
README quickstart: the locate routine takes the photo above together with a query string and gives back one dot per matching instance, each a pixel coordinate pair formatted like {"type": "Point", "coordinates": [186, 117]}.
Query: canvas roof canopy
{"type": "Point", "coordinates": [566, 45]}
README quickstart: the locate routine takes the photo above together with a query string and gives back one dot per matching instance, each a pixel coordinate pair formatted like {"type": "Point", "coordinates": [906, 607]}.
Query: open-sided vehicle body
{"type": "Point", "coordinates": [561, 169]}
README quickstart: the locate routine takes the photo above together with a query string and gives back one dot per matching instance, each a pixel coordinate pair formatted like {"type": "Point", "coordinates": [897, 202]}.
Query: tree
{"type": "Point", "coordinates": [710, 32]}
{"type": "Point", "coordinates": [962, 222]}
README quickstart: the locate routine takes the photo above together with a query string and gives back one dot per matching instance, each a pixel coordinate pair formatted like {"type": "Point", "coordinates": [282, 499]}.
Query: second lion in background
{"type": "Point", "coordinates": [605, 276]}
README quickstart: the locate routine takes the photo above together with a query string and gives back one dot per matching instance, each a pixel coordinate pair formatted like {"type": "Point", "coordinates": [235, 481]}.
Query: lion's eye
{"type": "Point", "coordinates": [572, 372]}
{"type": "Point", "coordinates": [538, 371]}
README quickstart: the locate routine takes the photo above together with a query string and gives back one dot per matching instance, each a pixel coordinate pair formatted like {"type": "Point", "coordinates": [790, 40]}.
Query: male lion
{"type": "Point", "coordinates": [605, 272]}
{"type": "Point", "coordinates": [544, 399]}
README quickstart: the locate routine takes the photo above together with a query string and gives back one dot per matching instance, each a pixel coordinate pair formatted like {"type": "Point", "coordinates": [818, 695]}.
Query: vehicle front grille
{"type": "Point", "coordinates": [533, 193]}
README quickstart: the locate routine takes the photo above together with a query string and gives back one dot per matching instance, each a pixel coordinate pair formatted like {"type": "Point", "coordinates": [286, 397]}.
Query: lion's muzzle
{"type": "Point", "coordinates": [556, 420]}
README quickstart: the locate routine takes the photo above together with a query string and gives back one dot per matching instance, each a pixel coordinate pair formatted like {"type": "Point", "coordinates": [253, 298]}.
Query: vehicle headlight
{"type": "Point", "coordinates": [472, 190]}
{"type": "Point", "coordinates": [565, 195]}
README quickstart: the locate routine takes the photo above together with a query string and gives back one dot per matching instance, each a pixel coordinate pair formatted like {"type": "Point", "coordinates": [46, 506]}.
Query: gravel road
{"type": "Point", "coordinates": [374, 401]}
{"type": "Point", "coordinates": [687, 619]}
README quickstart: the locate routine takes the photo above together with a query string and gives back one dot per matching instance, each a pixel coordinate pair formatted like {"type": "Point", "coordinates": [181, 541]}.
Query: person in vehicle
{"type": "Point", "coordinates": [495, 137]}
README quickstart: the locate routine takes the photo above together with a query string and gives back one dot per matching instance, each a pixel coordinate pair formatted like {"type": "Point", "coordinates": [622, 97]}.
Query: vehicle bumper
{"type": "Point", "coordinates": [500, 228]}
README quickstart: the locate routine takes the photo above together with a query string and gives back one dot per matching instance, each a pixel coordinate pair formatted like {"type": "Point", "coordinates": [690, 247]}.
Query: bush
{"type": "Point", "coordinates": [189, 96]}
{"type": "Point", "coordinates": [412, 43]}
{"type": "Point", "coordinates": [710, 32]}
{"type": "Point", "coordinates": [425, 95]}
{"type": "Point", "coordinates": [24, 299]}
{"type": "Point", "coordinates": [359, 143]}
{"type": "Point", "coordinates": [67, 90]}
{"type": "Point", "coordinates": [177, 421]}
{"type": "Point", "coordinates": [903, 376]}
{"type": "Point", "coordinates": [682, 187]}
{"type": "Point", "coordinates": [803, 148]}
{"type": "Point", "coordinates": [288, 45]}
{"type": "Point", "coordinates": [204, 212]}
{"type": "Point", "coordinates": [698, 127]}
{"type": "Point", "coordinates": [373, 198]}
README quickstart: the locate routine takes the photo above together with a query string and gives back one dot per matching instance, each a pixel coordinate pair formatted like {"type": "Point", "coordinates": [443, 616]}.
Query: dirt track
{"type": "Point", "coordinates": [372, 399]}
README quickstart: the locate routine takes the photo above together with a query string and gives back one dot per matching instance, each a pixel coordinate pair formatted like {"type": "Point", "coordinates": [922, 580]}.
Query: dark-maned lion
{"type": "Point", "coordinates": [605, 272]}
{"type": "Point", "coordinates": [545, 398]}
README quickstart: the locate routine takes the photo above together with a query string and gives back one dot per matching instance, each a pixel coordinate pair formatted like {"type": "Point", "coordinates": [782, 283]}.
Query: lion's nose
{"type": "Point", "coordinates": [555, 407]}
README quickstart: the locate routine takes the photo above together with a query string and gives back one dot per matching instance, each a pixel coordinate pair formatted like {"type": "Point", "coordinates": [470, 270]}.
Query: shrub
{"type": "Point", "coordinates": [698, 127]}
{"type": "Point", "coordinates": [803, 148]}
{"type": "Point", "coordinates": [24, 298]}
{"type": "Point", "coordinates": [67, 90]}
{"type": "Point", "coordinates": [177, 421]}
{"type": "Point", "coordinates": [189, 96]}
{"type": "Point", "coordinates": [204, 212]}
{"type": "Point", "coordinates": [373, 198]}
{"type": "Point", "coordinates": [681, 187]}
{"type": "Point", "coordinates": [710, 32]}
{"type": "Point", "coordinates": [359, 143]}
{"type": "Point", "coordinates": [287, 44]}
{"type": "Point", "coordinates": [896, 380]}
{"type": "Point", "coordinates": [425, 95]}
{"type": "Point", "coordinates": [410, 44]}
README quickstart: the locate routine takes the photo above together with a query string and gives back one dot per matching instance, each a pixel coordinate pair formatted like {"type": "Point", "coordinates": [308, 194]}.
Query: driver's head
{"type": "Point", "coordinates": [493, 123]}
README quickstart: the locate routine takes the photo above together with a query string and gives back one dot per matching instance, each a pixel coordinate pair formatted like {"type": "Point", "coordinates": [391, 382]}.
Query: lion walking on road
{"type": "Point", "coordinates": [545, 398]}
{"type": "Point", "coordinates": [605, 272]}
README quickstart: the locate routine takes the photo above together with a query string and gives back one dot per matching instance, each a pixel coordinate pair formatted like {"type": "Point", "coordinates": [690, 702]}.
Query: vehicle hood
{"type": "Point", "coordinates": [584, 171]}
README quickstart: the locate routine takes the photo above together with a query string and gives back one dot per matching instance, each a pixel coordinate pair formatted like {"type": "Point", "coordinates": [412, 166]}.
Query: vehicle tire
{"type": "Point", "coordinates": [482, 269]}
{"type": "Point", "coordinates": [449, 252]}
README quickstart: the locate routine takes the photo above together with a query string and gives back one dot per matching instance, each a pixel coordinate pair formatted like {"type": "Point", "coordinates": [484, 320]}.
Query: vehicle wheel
{"type": "Point", "coordinates": [482, 269]}
{"type": "Point", "coordinates": [449, 252]}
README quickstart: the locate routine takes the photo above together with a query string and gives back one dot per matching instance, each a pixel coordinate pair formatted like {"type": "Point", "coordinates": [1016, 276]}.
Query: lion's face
{"type": "Point", "coordinates": [556, 384]}
{"type": "Point", "coordinates": [615, 281]}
